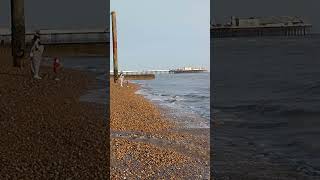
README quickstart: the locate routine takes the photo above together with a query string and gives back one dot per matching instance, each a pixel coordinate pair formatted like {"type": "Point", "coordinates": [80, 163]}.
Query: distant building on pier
{"type": "Point", "coordinates": [262, 26]}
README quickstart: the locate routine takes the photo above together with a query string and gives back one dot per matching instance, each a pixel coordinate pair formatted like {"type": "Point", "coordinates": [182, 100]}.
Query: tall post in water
{"type": "Point", "coordinates": [115, 46]}
{"type": "Point", "coordinates": [17, 31]}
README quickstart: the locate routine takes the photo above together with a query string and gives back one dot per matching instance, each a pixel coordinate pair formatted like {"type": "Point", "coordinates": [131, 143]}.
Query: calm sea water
{"type": "Point", "coordinates": [96, 65]}
{"type": "Point", "coordinates": [186, 96]}
{"type": "Point", "coordinates": [267, 105]}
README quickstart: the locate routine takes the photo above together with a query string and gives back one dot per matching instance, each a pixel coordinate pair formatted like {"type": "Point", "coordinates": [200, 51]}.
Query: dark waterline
{"type": "Point", "coordinates": [266, 106]}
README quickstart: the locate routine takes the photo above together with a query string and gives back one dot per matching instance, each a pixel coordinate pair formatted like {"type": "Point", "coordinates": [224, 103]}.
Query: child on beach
{"type": "Point", "coordinates": [56, 68]}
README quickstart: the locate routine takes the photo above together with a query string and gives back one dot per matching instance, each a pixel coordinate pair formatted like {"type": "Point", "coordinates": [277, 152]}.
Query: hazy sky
{"type": "Point", "coordinates": [162, 34]}
{"type": "Point", "coordinates": [52, 14]}
{"type": "Point", "coordinates": [223, 9]}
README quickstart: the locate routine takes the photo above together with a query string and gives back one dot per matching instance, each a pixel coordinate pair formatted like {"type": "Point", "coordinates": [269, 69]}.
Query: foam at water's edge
{"type": "Point", "coordinates": [175, 109]}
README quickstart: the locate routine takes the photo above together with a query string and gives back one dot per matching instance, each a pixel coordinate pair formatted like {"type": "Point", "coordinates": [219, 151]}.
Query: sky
{"type": "Point", "coordinates": [221, 10]}
{"type": "Point", "coordinates": [63, 14]}
{"type": "Point", "coordinates": [162, 34]}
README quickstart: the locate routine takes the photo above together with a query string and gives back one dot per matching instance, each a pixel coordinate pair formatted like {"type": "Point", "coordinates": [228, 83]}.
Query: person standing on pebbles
{"type": "Point", "coordinates": [36, 56]}
{"type": "Point", "coordinates": [56, 68]}
{"type": "Point", "coordinates": [121, 79]}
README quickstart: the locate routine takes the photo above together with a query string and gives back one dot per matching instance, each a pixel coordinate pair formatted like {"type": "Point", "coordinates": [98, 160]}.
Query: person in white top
{"type": "Point", "coordinates": [121, 79]}
{"type": "Point", "coordinates": [36, 57]}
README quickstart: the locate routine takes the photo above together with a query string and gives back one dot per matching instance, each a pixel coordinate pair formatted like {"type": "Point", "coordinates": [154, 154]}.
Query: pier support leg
{"type": "Point", "coordinates": [287, 34]}
{"type": "Point", "coordinates": [115, 47]}
{"type": "Point", "coordinates": [304, 31]}
{"type": "Point", "coordinates": [18, 31]}
{"type": "Point", "coordinates": [290, 32]}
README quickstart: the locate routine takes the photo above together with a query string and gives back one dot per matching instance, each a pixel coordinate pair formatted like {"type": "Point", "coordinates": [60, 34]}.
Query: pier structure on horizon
{"type": "Point", "coordinates": [61, 36]}
{"type": "Point", "coordinates": [143, 72]}
{"type": "Point", "coordinates": [264, 26]}
{"type": "Point", "coordinates": [152, 73]}
{"type": "Point", "coordinates": [81, 42]}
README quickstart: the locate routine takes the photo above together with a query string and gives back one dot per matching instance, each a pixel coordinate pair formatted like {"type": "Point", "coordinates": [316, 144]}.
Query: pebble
{"type": "Point", "coordinates": [39, 127]}
{"type": "Point", "coordinates": [131, 113]}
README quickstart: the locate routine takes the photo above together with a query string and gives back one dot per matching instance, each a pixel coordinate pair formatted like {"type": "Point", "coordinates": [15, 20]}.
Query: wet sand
{"type": "Point", "coordinates": [146, 144]}
{"type": "Point", "coordinates": [46, 133]}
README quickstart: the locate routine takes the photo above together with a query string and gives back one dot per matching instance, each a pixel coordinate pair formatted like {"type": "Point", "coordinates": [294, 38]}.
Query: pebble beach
{"type": "Point", "coordinates": [46, 132]}
{"type": "Point", "coordinates": [147, 144]}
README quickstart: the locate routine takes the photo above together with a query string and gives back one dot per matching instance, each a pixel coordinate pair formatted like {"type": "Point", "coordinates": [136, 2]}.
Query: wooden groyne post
{"type": "Point", "coordinates": [115, 46]}
{"type": "Point", "coordinates": [17, 31]}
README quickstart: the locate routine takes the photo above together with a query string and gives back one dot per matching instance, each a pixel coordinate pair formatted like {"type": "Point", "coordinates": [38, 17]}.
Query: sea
{"type": "Point", "coordinates": [184, 96]}
{"type": "Point", "coordinates": [266, 107]}
{"type": "Point", "coordinates": [96, 65]}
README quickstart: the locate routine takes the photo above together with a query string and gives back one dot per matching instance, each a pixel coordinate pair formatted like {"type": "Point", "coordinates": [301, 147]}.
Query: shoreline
{"type": "Point", "coordinates": [178, 120]}
{"type": "Point", "coordinates": [46, 130]}
{"type": "Point", "coordinates": [176, 106]}
{"type": "Point", "coordinates": [145, 142]}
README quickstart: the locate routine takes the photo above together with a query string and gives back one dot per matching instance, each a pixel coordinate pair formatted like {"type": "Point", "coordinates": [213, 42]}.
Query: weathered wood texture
{"type": "Point", "coordinates": [18, 31]}
{"type": "Point", "coordinates": [115, 46]}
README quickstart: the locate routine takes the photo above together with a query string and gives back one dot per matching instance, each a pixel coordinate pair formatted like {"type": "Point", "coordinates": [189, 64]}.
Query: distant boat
{"type": "Point", "coordinates": [188, 70]}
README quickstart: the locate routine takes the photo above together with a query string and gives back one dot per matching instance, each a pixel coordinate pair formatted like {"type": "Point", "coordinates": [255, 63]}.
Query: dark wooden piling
{"type": "Point", "coordinates": [115, 46]}
{"type": "Point", "coordinates": [18, 31]}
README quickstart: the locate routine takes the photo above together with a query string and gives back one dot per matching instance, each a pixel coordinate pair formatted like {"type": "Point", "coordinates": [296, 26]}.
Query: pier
{"type": "Point", "coordinates": [81, 42]}
{"type": "Point", "coordinates": [261, 26]}
{"type": "Point", "coordinates": [162, 71]}
{"type": "Point", "coordinates": [294, 30]}
{"type": "Point", "coordinates": [141, 75]}
{"type": "Point", "coordinates": [66, 36]}
{"type": "Point", "coordinates": [150, 74]}
{"type": "Point", "coordinates": [144, 72]}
